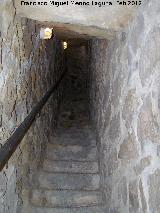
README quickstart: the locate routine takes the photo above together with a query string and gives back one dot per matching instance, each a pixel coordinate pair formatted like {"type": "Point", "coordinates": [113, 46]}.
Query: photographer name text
{"type": "Point", "coordinates": [80, 3]}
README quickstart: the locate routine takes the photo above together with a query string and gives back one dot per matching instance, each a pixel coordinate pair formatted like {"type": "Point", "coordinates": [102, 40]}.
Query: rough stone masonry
{"type": "Point", "coordinates": [125, 76]}
{"type": "Point", "coordinates": [27, 71]}
{"type": "Point", "coordinates": [124, 99]}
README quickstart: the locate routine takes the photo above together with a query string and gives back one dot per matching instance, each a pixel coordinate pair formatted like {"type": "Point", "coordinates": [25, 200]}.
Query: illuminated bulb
{"type": "Point", "coordinates": [46, 33]}
{"type": "Point", "coordinates": [65, 45]}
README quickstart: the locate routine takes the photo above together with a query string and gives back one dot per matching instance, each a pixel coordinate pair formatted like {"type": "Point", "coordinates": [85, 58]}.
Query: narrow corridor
{"type": "Point", "coordinates": [69, 180]}
{"type": "Point", "coordinates": [86, 140]}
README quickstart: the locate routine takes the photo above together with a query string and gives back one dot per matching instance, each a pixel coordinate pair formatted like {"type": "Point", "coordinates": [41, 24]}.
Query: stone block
{"type": "Point", "coordinates": [133, 197]}
{"type": "Point", "coordinates": [71, 167]}
{"type": "Point", "coordinates": [149, 54]}
{"type": "Point", "coordinates": [148, 127]}
{"type": "Point", "coordinates": [145, 162]}
{"type": "Point", "coordinates": [76, 152]}
{"type": "Point", "coordinates": [114, 128]}
{"type": "Point", "coordinates": [154, 191]}
{"type": "Point", "coordinates": [130, 107]}
{"type": "Point", "coordinates": [143, 198]}
{"type": "Point", "coordinates": [137, 33]}
{"type": "Point", "coordinates": [64, 198]}
{"type": "Point", "coordinates": [123, 190]}
{"type": "Point", "coordinates": [128, 149]}
{"type": "Point", "coordinates": [158, 150]}
{"type": "Point", "coordinates": [93, 209]}
{"type": "Point", "coordinates": [68, 181]}
{"type": "Point", "coordinates": [112, 162]}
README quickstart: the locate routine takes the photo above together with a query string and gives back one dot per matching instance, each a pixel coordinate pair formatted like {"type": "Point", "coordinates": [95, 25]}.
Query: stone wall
{"type": "Point", "coordinates": [125, 109]}
{"type": "Point", "coordinates": [28, 68]}
{"type": "Point", "coordinates": [93, 19]}
{"type": "Point", "coordinates": [76, 93]}
{"type": "Point", "coordinates": [77, 68]}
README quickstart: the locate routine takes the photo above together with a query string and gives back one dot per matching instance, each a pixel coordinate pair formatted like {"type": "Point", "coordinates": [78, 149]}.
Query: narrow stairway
{"type": "Point", "coordinates": [69, 181]}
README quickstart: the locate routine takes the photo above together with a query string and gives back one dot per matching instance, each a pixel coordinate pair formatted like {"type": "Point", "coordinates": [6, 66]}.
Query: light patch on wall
{"type": "Point", "coordinates": [65, 45]}
{"type": "Point", "coordinates": [46, 33]}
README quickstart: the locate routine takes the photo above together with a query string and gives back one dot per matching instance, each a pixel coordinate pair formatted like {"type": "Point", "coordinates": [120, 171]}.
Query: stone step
{"type": "Point", "coordinates": [95, 209]}
{"type": "Point", "coordinates": [71, 124]}
{"type": "Point", "coordinates": [70, 166]}
{"type": "Point", "coordinates": [80, 118]}
{"type": "Point", "coordinates": [65, 198]}
{"type": "Point", "coordinates": [86, 131]}
{"type": "Point", "coordinates": [66, 181]}
{"type": "Point", "coordinates": [75, 153]}
{"type": "Point", "coordinates": [74, 132]}
{"type": "Point", "coordinates": [74, 108]}
{"type": "Point", "coordinates": [79, 139]}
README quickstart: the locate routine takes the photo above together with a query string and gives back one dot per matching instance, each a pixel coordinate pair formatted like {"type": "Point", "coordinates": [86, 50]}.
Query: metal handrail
{"type": "Point", "coordinates": [7, 150]}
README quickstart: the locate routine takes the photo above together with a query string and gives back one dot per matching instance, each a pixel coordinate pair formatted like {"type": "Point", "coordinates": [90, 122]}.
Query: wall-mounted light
{"type": "Point", "coordinates": [65, 45]}
{"type": "Point", "coordinates": [46, 33]}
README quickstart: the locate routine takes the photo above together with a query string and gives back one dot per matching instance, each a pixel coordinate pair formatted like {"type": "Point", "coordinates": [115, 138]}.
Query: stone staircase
{"type": "Point", "coordinates": [69, 181]}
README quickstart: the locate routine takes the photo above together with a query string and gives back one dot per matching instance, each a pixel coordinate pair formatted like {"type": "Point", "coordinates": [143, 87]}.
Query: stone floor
{"type": "Point", "coordinates": [69, 180]}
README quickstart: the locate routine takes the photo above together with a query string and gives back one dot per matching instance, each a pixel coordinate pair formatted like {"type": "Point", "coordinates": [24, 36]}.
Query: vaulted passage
{"type": "Point", "coordinates": [94, 146]}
